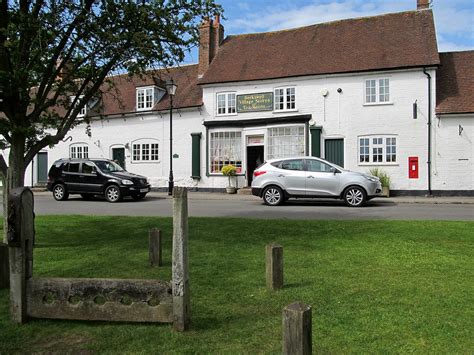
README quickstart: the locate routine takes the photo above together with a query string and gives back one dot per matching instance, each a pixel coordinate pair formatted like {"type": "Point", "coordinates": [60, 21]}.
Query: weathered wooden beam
{"type": "Point", "coordinates": [100, 299]}
{"type": "Point", "coordinates": [20, 238]}
{"type": "Point", "coordinates": [274, 266]}
{"type": "Point", "coordinates": [297, 323]}
{"type": "Point", "coordinates": [180, 272]}
{"type": "Point", "coordinates": [155, 245]}
{"type": "Point", "coordinates": [4, 268]}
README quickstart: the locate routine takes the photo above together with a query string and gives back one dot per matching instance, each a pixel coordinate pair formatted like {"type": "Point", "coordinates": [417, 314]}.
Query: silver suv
{"type": "Point", "coordinates": [280, 179]}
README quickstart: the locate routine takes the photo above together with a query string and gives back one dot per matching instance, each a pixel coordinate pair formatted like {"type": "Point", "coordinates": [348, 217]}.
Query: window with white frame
{"type": "Point", "coordinates": [78, 151]}
{"type": "Point", "coordinates": [225, 148]}
{"type": "Point", "coordinates": [145, 98]}
{"type": "Point", "coordinates": [285, 142]}
{"type": "Point", "coordinates": [285, 99]}
{"type": "Point", "coordinates": [377, 149]}
{"type": "Point", "coordinates": [226, 103]}
{"type": "Point", "coordinates": [145, 151]}
{"type": "Point", "coordinates": [377, 91]}
{"type": "Point", "coordinates": [83, 111]}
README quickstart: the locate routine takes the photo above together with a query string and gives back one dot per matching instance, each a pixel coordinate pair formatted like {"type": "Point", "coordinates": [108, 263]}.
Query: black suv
{"type": "Point", "coordinates": [89, 177]}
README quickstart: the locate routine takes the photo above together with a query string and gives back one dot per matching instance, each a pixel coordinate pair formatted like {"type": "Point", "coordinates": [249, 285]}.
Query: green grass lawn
{"type": "Point", "coordinates": [375, 286]}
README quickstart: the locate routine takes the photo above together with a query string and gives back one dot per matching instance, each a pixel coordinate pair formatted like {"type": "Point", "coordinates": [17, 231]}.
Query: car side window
{"type": "Point", "coordinates": [88, 168]}
{"type": "Point", "coordinates": [317, 166]}
{"type": "Point", "coordinates": [296, 164]}
{"type": "Point", "coordinates": [74, 167]}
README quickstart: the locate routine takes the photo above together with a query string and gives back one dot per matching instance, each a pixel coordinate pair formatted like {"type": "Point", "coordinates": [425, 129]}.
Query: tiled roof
{"type": "Point", "coordinates": [122, 97]}
{"type": "Point", "coordinates": [455, 83]}
{"type": "Point", "coordinates": [397, 40]}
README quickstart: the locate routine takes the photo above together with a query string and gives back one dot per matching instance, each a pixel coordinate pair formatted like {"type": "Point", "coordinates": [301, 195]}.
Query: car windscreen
{"type": "Point", "coordinates": [108, 166]}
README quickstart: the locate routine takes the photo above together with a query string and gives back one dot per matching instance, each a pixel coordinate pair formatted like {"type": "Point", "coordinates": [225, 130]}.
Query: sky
{"type": "Point", "coordinates": [454, 19]}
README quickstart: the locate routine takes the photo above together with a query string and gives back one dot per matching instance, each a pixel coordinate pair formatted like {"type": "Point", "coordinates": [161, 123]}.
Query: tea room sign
{"type": "Point", "coordinates": [255, 102]}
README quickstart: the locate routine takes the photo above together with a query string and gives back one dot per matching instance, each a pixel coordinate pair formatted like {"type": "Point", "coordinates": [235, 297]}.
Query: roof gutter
{"type": "Point", "coordinates": [429, 130]}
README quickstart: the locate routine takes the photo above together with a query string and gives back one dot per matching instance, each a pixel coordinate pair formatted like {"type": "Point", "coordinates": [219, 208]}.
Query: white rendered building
{"type": "Point", "coordinates": [357, 92]}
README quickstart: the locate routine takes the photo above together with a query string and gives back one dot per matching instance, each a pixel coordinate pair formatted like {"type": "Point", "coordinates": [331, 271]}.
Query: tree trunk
{"type": "Point", "coordinates": [15, 176]}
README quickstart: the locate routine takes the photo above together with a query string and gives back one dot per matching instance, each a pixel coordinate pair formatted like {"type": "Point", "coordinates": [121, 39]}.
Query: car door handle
{"type": "Point", "coordinates": [311, 177]}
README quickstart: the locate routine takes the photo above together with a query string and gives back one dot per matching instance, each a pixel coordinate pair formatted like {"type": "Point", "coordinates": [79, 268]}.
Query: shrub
{"type": "Point", "coordinates": [229, 170]}
{"type": "Point", "coordinates": [382, 175]}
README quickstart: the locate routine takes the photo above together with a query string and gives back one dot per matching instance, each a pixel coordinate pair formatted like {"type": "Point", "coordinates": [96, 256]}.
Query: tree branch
{"type": "Point", "coordinates": [71, 116]}
{"type": "Point", "coordinates": [49, 74]}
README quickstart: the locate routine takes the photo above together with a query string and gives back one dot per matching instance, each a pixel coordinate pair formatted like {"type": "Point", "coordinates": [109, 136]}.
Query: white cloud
{"type": "Point", "coordinates": [445, 45]}
{"type": "Point", "coordinates": [282, 17]}
{"type": "Point", "coordinates": [454, 19]}
{"type": "Point", "coordinates": [243, 6]}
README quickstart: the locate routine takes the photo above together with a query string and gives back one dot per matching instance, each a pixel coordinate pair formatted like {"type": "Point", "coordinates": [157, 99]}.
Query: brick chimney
{"type": "Point", "coordinates": [211, 35]}
{"type": "Point", "coordinates": [423, 4]}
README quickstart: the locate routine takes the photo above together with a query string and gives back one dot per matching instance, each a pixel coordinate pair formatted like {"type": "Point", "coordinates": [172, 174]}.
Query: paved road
{"type": "Point", "coordinates": [248, 206]}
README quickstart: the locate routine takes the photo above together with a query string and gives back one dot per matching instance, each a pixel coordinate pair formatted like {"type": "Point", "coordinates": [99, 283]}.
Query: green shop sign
{"type": "Point", "coordinates": [255, 102]}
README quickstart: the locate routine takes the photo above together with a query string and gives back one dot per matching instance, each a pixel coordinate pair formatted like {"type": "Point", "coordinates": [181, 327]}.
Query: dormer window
{"type": "Point", "coordinates": [83, 111]}
{"type": "Point", "coordinates": [148, 96]}
{"type": "Point", "coordinates": [145, 98]}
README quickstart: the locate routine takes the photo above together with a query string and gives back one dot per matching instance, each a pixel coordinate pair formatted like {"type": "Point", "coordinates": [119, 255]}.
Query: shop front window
{"type": "Point", "coordinates": [284, 142]}
{"type": "Point", "coordinates": [225, 148]}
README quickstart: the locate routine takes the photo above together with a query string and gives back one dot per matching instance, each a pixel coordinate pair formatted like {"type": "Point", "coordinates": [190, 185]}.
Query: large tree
{"type": "Point", "coordinates": [52, 51]}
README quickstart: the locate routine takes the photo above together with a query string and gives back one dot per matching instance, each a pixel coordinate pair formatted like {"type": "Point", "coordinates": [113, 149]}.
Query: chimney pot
{"type": "Point", "coordinates": [423, 4]}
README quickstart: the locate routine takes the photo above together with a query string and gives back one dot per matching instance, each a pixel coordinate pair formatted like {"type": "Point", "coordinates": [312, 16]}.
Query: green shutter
{"type": "Point", "coordinates": [196, 155]}
{"type": "Point", "coordinates": [334, 151]}
{"type": "Point", "coordinates": [316, 141]}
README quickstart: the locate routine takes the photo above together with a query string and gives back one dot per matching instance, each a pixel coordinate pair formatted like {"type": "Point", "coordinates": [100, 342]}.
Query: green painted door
{"type": "Point", "coordinates": [42, 167]}
{"type": "Point", "coordinates": [334, 151]}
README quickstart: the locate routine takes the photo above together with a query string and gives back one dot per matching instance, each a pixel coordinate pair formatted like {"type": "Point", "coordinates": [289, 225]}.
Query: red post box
{"type": "Point", "coordinates": [413, 167]}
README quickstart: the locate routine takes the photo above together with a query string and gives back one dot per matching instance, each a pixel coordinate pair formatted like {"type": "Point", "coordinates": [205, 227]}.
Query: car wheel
{"type": "Point", "coordinates": [112, 193]}
{"type": "Point", "coordinates": [273, 196]}
{"type": "Point", "coordinates": [355, 196]}
{"type": "Point", "coordinates": [60, 193]}
{"type": "Point", "coordinates": [138, 197]}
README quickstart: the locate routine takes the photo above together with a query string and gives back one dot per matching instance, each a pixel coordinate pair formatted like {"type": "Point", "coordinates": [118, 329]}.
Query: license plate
{"type": "Point", "coordinates": [143, 190]}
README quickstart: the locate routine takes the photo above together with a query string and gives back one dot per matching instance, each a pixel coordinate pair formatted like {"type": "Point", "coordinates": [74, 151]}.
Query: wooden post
{"type": "Point", "coordinates": [180, 273]}
{"type": "Point", "coordinates": [4, 268]}
{"type": "Point", "coordinates": [155, 247]}
{"type": "Point", "coordinates": [297, 324]}
{"type": "Point", "coordinates": [274, 266]}
{"type": "Point", "coordinates": [20, 238]}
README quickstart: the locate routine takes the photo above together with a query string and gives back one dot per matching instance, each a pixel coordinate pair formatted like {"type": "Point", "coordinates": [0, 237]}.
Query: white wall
{"type": "Point", "coordinates": [342, 115]}
{"type": "Point", "coordinates": [116, 132]}
{"type": "Point", "coordinates": [345, 116]}
{"type": "Point", "coordinates": [453, 152]}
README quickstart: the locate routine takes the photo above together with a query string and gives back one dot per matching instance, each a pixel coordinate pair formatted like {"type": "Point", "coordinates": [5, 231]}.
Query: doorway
{"type": "Point", "coordinates": [42, 168]}
{"type": "Point", "coordinates": [254, 159]}
{"type": "Point", "coordinates": [118, 155]}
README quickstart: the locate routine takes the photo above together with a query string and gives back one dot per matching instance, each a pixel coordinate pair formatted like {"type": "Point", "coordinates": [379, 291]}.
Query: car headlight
{"type": "Point", "coordinates": [127, 182]}
{"type": "Point", "coordinates": [370, 178]}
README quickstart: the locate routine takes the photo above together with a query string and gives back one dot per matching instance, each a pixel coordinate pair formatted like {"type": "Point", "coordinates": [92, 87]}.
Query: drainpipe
{"type": "Point", "coordinates": [429, 130]}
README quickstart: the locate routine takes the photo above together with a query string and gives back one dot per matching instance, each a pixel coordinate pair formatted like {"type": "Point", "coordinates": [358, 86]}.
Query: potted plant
{"type": "Point", "coordinates": [229, 171]}
{"type": "Point", "coordinates": [384, 180]}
